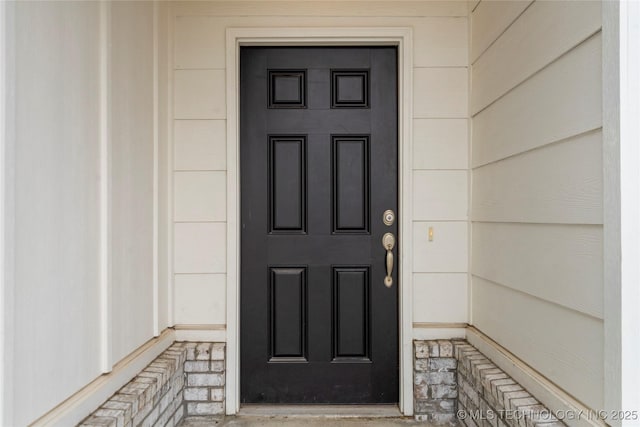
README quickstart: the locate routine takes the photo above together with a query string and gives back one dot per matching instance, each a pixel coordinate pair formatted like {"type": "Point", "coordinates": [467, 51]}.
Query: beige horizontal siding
{"type": "Point", "coordinates": [559, 183]}
{"type": "Point", "coordinates": [564, 345]}
{"type": "Point", "coordinates": [199, 41]}
{"type": "Point", "coordinates": [440, 180]}
{"type": "Point", "coordinates": [490, 19]}
{"type": "Point", "coordinates": [545, 31]}
{"type": "Point", "coordinates": [543, 109]}
{"type": "Point", "coordinates": [555, 262]}
{"type": "Point", "coordinates": [323, 8]}
{"type": "Point", "coordinates": [537, 187]}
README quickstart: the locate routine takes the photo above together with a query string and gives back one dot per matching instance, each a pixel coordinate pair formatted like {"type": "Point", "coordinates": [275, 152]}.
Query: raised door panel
{"type": "Point", "coordinates": [350, 166]}
{"type": "Point", "coordinates": [287, 184]}
{"type": "Point", "coordinates": [351, 313]}
{"type": "Point", "coordinates": [288, 312]}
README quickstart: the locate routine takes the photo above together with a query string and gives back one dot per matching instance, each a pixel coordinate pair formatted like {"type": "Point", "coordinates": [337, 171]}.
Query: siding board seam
{"type": "Point", "coordinates": [439, 66]}
{"type": "Point", "coordinates": [441, 170]}
{"type": "Point", "coordinates": [200, 170]}
{"type": "Point", "coordinates": [440, 220]}
{"type": "Point", "coordinates": [439, 272]}
{"type": "Point", "coordinates": [475, 7]}
{"type": "Point", "coordinates": [538, 71]}
{"type": "Point", "coordinates": [547, 145]}
{"type": "Point", "coordinates": [200, 222]}
{"type": "Point", "coordinates": [519, 291]}
{"type": "Point", "coordinates": [198, 274]}
{"type": "Point", "coordinates": [427, 117]}
{"type": "Point", "coordinates": [558, 224]}
{"type": "Point", "coordinates": [198, 69]}
{"type": "Point", "coordinates": [501, 34]}
{"type": "Point", "coordinates": [310, 15]}
{"type": "Point", "coordinates": [487, 221]}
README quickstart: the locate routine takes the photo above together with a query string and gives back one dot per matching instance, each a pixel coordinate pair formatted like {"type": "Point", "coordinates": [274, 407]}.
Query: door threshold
{"type": "Point", "coordinates": [321, 411]}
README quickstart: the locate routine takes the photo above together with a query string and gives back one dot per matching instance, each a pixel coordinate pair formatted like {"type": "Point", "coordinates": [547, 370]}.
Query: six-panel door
{"type": "Point", "coordinates": [318, 148]}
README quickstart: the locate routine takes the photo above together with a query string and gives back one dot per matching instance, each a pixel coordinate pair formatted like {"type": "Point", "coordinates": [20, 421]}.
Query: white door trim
{"type": "Point", "coordinates": [403, 39]}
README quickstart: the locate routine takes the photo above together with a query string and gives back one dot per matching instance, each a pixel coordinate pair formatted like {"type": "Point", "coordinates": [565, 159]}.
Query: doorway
{"type": "Point", "coordinates": [319, 190]}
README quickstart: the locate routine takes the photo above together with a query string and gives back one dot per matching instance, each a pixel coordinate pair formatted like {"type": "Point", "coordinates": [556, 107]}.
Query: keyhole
{"type": "Point", "coordinates": [388, 217]}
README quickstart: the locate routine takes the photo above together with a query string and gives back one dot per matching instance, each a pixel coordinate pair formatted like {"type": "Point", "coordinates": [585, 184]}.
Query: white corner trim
{"type": "Point", "coordinates": [106, 362]}
{"type": "Point", "coordinates": [405, 219]}
{"type": "Point", "coordinates": [621, 156]}
{"type": "Point", "coordinates": [402, 37]}
{"type": "Point", "coordinates": [628, 44]}
{"type": "Point", "coordinates": [548, 393]}
{"type": "Point", "coordinates": [156, 165]}
{"type": "Point", "coordinates": [169, 165]}
{"type": "Point", "coordinates": [232, 382]}
{"type": "Point", "coordinates": [7, 211]}
{"type": "Point", "coordinates": [89, 398]}
{"type": "Point", "coordinates": [611, 199]}
{"type": "Point", "coordinates": [3, 207]}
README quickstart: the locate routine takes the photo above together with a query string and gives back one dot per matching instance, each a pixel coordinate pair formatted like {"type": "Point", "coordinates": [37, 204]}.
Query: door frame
{"type": "Point", "coordinates": [402, 38]}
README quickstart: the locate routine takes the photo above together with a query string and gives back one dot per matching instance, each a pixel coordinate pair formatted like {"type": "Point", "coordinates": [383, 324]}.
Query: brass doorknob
{"type": "Point", "coordinates": [388, 242]}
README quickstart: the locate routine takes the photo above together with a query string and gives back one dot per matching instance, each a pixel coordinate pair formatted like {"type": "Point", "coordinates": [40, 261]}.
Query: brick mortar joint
{"type": "Point", "coordinates": [435, 382]}
{"type": "Point", "coordinates": [480, 385]}
{"type": "Point", "coordinates": [155, 396]}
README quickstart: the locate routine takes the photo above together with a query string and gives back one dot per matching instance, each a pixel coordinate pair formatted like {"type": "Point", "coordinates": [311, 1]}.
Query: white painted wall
{"type": "Point", "coordinates": [440, 179]}
{"type": "Point", "coordinates": [537, 192]}
{"type": "Point", "coordinates": [55, 206]}
{"type": "Point", "coordinates": [132, 186]}
{"type": "Point", "coordinates": [54, 319]}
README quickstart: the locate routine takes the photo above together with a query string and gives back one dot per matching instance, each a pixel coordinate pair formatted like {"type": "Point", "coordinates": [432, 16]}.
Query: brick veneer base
{"type": "Point", "coordinates": [205, 377]}
{"type": "Point", "coordinates": [488, 396]}
{"type": "Point", "coordinates": [455, 383]}
{"type": "Point", "coordinates": [434, 382]}
{"type": "Point", "coordinates": [186, 379]}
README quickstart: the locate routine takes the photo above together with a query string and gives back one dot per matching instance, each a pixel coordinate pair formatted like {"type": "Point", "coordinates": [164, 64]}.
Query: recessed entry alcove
{"type": "Point", "coordinates": [302, 202]}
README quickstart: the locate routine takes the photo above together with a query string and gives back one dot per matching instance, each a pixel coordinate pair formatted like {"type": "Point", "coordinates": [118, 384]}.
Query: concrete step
{"type": "Point", "coordinates": [299, 420]}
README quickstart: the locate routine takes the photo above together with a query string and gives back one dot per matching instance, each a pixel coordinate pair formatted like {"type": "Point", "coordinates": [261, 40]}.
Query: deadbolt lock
{"type": "Point", "coordinates": [388, 217]}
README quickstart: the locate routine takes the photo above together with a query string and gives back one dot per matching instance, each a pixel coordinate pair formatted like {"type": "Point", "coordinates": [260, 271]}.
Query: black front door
{"type": "Point", "coordinates": [318, 149]}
